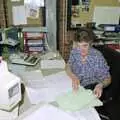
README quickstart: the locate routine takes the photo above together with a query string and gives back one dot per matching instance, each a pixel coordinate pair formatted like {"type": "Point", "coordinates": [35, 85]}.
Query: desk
{"type": "Point", "coordinates": [26, 107]}
{"type": "Point", "coordinates": [19, 70]}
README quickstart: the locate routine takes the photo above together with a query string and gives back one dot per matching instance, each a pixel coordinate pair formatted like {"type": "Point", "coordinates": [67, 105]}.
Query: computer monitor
{"type": "Point", "coordinates": [10, 89]}
{"type": "Point", "coordinates": [109, 28]}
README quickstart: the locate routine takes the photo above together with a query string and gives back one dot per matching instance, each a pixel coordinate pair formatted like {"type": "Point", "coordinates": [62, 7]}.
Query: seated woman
{"type": "Point", "coordinates": [87, 66]}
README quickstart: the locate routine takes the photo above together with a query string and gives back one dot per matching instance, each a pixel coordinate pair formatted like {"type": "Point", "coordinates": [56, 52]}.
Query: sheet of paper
{"type": "Point", "coordinates": [19, 15]}
{"type": "Point", "coordinates": [89, 114]}
{"type": "Point", "coordinates": [52, 86]}
{"type": "Point", "coordinates": [33, 79]}
{"type": "Point", "coordinates": [43, 94]}
{"type": "Point", "coordinates": [83, 98]}
{"type": "Point", "coordinates": [58, 80]}
{"type": "Point", "coordinates": [50, 113]}
{"type": "Point", "coordinates": [3, 67]}
{"type": "Point", "coordinates": [50, 64]}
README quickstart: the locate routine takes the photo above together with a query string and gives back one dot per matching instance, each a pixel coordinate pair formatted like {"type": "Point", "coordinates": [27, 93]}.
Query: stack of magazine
{"type": "Point", "coordinates": [24, 60]}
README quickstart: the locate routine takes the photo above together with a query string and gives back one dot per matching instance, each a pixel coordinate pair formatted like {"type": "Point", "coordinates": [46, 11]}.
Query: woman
{"type": "Point", "coordinates": [87, 66]}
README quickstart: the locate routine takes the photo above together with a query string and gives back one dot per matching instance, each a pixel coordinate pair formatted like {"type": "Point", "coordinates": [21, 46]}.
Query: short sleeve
{"type": "Point", "coordinates": [71, 58]}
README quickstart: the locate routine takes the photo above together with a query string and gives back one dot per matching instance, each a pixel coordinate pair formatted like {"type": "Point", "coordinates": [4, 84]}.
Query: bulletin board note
{"type": "Point", "coordinates": [19, 15]}
{"type": "Point", "coordinates": [106, 15]}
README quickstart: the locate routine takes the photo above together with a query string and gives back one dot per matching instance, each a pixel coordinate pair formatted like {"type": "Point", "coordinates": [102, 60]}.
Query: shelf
{"type": "Point", "coordinates": [34, 39]}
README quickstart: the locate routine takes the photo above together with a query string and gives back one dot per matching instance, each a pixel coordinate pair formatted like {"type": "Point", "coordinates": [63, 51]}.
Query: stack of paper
{"type": "Point", "coordinates": [52, 86]}
{"type": "Point", "coordinates": [51, 64]}
{"type": "Point", "coordinates": [48, 112]}
{"type": "Point", "coordinates": [89, 114]}
{"type": "Point", "coordinates": [33, 79]}
{"type": "Point", "coordinates": [73, 101]}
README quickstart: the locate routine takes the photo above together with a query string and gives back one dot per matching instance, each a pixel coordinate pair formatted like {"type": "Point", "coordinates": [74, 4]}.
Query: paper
{"type": "Point", "coordinates": [32, 10]}
{"type": "Point", "coordinates": [50, 113]}
{"type": "Point", "coordinates": [83, 98]}
{"type": "Point", "coordinates": [50, 87]}
{"type": "Point", "coordinates": [89, 114]}
{"type": "Point", "coordinates": [3, 67]}
{"type": "Point", "coordinates": [33, 79]}
{"type": "Point", "coordinates": [19, 16]}
{"type": "Point", "coordinates": [49, 55]}
{"type": "Point", "coordinates": [59, 80]}
{"type": "Point", "coordinates": [43, 94]}
{"type": "Point", "coordinates": [51, 64]}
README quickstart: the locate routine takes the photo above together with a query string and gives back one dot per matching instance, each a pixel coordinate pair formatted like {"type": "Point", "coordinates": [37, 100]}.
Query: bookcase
{"type": "Point", "coordinates": [35, 39]}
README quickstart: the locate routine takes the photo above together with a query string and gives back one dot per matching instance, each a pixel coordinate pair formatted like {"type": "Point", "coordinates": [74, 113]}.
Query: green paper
{"type": "Point", "coordinates": [73, 101]}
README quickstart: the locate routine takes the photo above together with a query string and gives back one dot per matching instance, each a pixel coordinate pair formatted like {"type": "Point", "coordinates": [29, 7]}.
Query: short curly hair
{"type": "Point", "coordinates": [85, 35]}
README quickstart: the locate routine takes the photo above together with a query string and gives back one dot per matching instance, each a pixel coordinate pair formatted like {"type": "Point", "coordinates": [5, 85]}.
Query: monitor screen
{"type": "Point", "coordinates": [109, 28]}
{"type": "Point", "coordinates": [13, 90]}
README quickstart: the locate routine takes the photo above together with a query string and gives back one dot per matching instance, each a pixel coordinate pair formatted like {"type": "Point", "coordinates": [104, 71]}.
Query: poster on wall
{"type": "Point", "coordinates": [32, 11]}
{"type": "Point", "coordinates": [85, 5]}
{"type": "Point", "coordinates": [19, 15]}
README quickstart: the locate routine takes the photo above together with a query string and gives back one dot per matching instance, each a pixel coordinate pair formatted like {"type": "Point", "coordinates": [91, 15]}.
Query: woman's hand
{"type": "Point", "coordinates": [75, 82]}
{"type": "Point", "coordinates": [98, 90]}
{"type": "Point", "coordinates": [0, 58]}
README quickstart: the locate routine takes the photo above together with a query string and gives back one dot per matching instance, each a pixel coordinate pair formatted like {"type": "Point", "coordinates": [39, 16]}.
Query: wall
{"type": "Point", "coordinates": [65, 37]}
{"type": "Point", "coordinates": [3, 13]}
{"type": "Point", "coordinates": [87, 16]}
{"type": "Point", "coordinates": [30, 21]}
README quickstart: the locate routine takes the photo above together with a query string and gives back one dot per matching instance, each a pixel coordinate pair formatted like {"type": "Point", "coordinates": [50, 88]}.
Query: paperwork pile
{"type": "Point", "coordinates": [49, 88]}
{"type": "Point", "coordinates": [52, 60]}
{"type": "Point", "coordinates": [32, 79]}
{"type": "Point", "coordinates": [52, 64]}
{"type": "Point", "coordinates": [49, 112]}
{"type": "Point", "coordinates": [73, 101]}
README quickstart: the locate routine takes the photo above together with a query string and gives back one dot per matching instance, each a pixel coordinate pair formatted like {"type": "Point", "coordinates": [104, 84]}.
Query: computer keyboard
{"type": "Point", "coordinates": [24, 60]}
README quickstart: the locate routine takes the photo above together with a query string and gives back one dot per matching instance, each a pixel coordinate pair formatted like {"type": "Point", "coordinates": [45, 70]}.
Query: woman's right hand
{"type": "Point", "coordinates": [75, 83]}
{"type": "Point", "coordinates": [75, 80]}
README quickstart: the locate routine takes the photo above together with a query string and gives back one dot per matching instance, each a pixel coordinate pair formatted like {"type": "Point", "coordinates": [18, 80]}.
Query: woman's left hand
{"type": "Point", "coordinates": [0, 58]}
{"type": "Point", "coordinates": [98, 90]}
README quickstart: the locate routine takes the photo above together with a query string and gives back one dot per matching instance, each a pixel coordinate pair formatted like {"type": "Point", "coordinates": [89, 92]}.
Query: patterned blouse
{"type": "Point", "coordinates": [94, 70]}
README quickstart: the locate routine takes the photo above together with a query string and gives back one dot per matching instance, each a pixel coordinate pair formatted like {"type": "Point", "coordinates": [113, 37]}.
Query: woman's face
{"type": "Point", "coordinates": [83, 47]}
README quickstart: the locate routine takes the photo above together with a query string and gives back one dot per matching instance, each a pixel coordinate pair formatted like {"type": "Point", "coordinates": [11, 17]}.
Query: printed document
{"type": "Point", "coordinates": [52, 86]}
{"type": "Point", "coordinates": [49, 112]}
